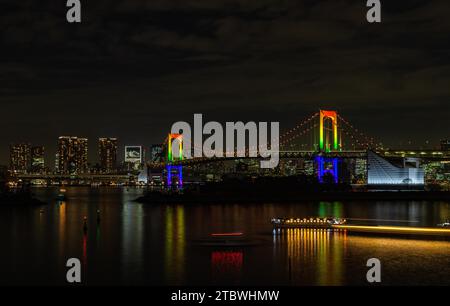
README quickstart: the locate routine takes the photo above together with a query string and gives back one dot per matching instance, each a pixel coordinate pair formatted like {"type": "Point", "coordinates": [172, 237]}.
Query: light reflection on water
{"type": "Point", "coordinates": [318, 250]}
{"type": "Point", "coordinates": [227, 264]}
{"type": "Point", "coordinates": [174, 244]}
{"type": "Point", "coordinates": [153, 244]}
{"type": "Point", "coordinates": [132, 238]}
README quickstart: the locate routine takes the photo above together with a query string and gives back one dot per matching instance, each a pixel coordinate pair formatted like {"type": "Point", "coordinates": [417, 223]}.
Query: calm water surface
{"type": "Point", "coordinates": [142, 244]}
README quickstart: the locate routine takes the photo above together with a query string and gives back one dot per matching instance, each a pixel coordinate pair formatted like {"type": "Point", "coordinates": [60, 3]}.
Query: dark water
{"type": "Point", "coordinates": [136, 244]}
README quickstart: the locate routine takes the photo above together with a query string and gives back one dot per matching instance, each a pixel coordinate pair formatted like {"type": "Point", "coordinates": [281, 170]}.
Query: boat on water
{"type": "Point", "coordinates": [311, 222]}
{"type": "Point", "coordinates": [62, 194]}
{"type": "Point", "coordinates": [444, 224]}
{"type": "Point", "coordinates": [341, 225]}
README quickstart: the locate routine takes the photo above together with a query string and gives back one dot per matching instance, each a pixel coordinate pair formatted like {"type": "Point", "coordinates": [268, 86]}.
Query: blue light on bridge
{"type": "Point", "coordinates": [327, 166]}
{"type": "Point", "coordinates": [177, 171]}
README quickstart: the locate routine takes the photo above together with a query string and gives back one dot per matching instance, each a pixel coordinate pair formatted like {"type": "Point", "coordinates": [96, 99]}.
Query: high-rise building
{"type": "Point", "coordinates": [156, 151]}
{"type": "Point", "coordinates": [20, 157]}
{"type": "Point", "coordinates": [445, 145]}
{"type": "Point", "coordinates": [360, 172]}
{"type": "Point", "coordinates": [107, 152]}
{"type": "Point", "coordinates": [309, 166]}
{"type": "Point", "coordinates": [72, 155]}
{"type": "Point", "coordinates": [37, 159]}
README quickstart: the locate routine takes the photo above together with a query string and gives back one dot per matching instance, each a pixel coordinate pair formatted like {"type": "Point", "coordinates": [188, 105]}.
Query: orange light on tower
{"type": "Point", "coordinates": [170, 167]}
{"type": "Point", "coordinates": [333, 116]}
{"type": "Point", "coordinates": [173, 137]}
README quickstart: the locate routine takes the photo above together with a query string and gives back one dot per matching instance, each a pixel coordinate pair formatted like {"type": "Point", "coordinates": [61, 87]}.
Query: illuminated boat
{"type": "Point", "coordinates": [444, 224]}
{"type": "Point", "coordinates": [307, 222]}
{"type": "Point", "coordinates": [62, 194]}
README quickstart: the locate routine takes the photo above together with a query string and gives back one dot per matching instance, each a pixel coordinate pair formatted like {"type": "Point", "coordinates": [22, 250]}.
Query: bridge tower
{"type": "Point", "coordinates": [171, 139]}
{"type": "Point", "coordinates": [323, 144]}
{"type": "Point", "coordinates": [174, 171]}
{"type": "Point", "coordinates": [328, 165]}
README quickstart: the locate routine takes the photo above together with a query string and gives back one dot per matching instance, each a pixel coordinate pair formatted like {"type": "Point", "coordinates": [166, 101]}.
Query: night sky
{"type": "Point", "coordinates": [132, 68]}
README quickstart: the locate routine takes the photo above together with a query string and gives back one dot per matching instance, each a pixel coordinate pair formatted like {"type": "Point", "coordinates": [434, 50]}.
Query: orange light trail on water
{"type": "Point", "coordinates": [395, 229]}
{"type": "Point", "coordinates": [227, 234]}
{"type": "Point", "coordinates": [382, 220]}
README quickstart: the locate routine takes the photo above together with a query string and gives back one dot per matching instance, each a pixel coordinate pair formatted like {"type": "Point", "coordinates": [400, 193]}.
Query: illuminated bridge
{"type": "Point", "coordinates": [425, 155]}
{"type": "Point", "coordinates": [324, 137]}
{"type": "Point", "coordinates": [317, 134]}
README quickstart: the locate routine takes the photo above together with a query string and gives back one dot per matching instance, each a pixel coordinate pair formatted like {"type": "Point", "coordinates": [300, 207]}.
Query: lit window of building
{"type": "Point", "coordinates": [72, 155]}
{"type": "Point", "coordinates": [107, 152]}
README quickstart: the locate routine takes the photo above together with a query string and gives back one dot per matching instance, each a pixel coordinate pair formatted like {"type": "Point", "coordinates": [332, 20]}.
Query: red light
{"type": "Point", "coordinates": [226, 234]}
{"type": "Point", "coordinates": [228, 263]}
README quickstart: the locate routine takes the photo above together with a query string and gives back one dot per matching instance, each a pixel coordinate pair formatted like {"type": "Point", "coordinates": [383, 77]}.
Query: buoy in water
{"type": "Point", "coordinates": [85, 224]}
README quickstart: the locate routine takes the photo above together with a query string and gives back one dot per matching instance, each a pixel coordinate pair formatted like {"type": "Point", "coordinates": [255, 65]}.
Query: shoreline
{"type": "Point", "coordinates": [20, 200]}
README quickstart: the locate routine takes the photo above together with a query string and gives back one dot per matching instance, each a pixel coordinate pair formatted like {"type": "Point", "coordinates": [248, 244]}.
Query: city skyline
{"type": "Point", "coordinates": [324, 145]}
{"type": "Point", "coordinates": [107, 157]}
{"type": "Point", "coordinates": [94, 156]}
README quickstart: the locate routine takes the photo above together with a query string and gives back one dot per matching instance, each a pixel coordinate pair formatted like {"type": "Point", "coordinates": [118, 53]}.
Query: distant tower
{"type": "Point", "coordinates": [37, 159]}
{"type": "Point", "coordinates": [20, 157]}
{"type": "Point", "coordinates": [72, 155]}
{"type": "Point", "coordinates": [156, 153]}
{"type": "Point", "coordinates": [107, 153]}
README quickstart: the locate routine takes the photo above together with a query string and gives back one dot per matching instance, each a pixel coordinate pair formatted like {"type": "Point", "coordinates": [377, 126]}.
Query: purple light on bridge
{"type": "Point", "coordinates": [177, 171]}
{"type": "Point", "coordinates": [323, 169]}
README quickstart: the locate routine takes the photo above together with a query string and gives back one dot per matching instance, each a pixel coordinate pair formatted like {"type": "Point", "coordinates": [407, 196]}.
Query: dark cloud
{"type": "Point", "coordinates": [133, 67]}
